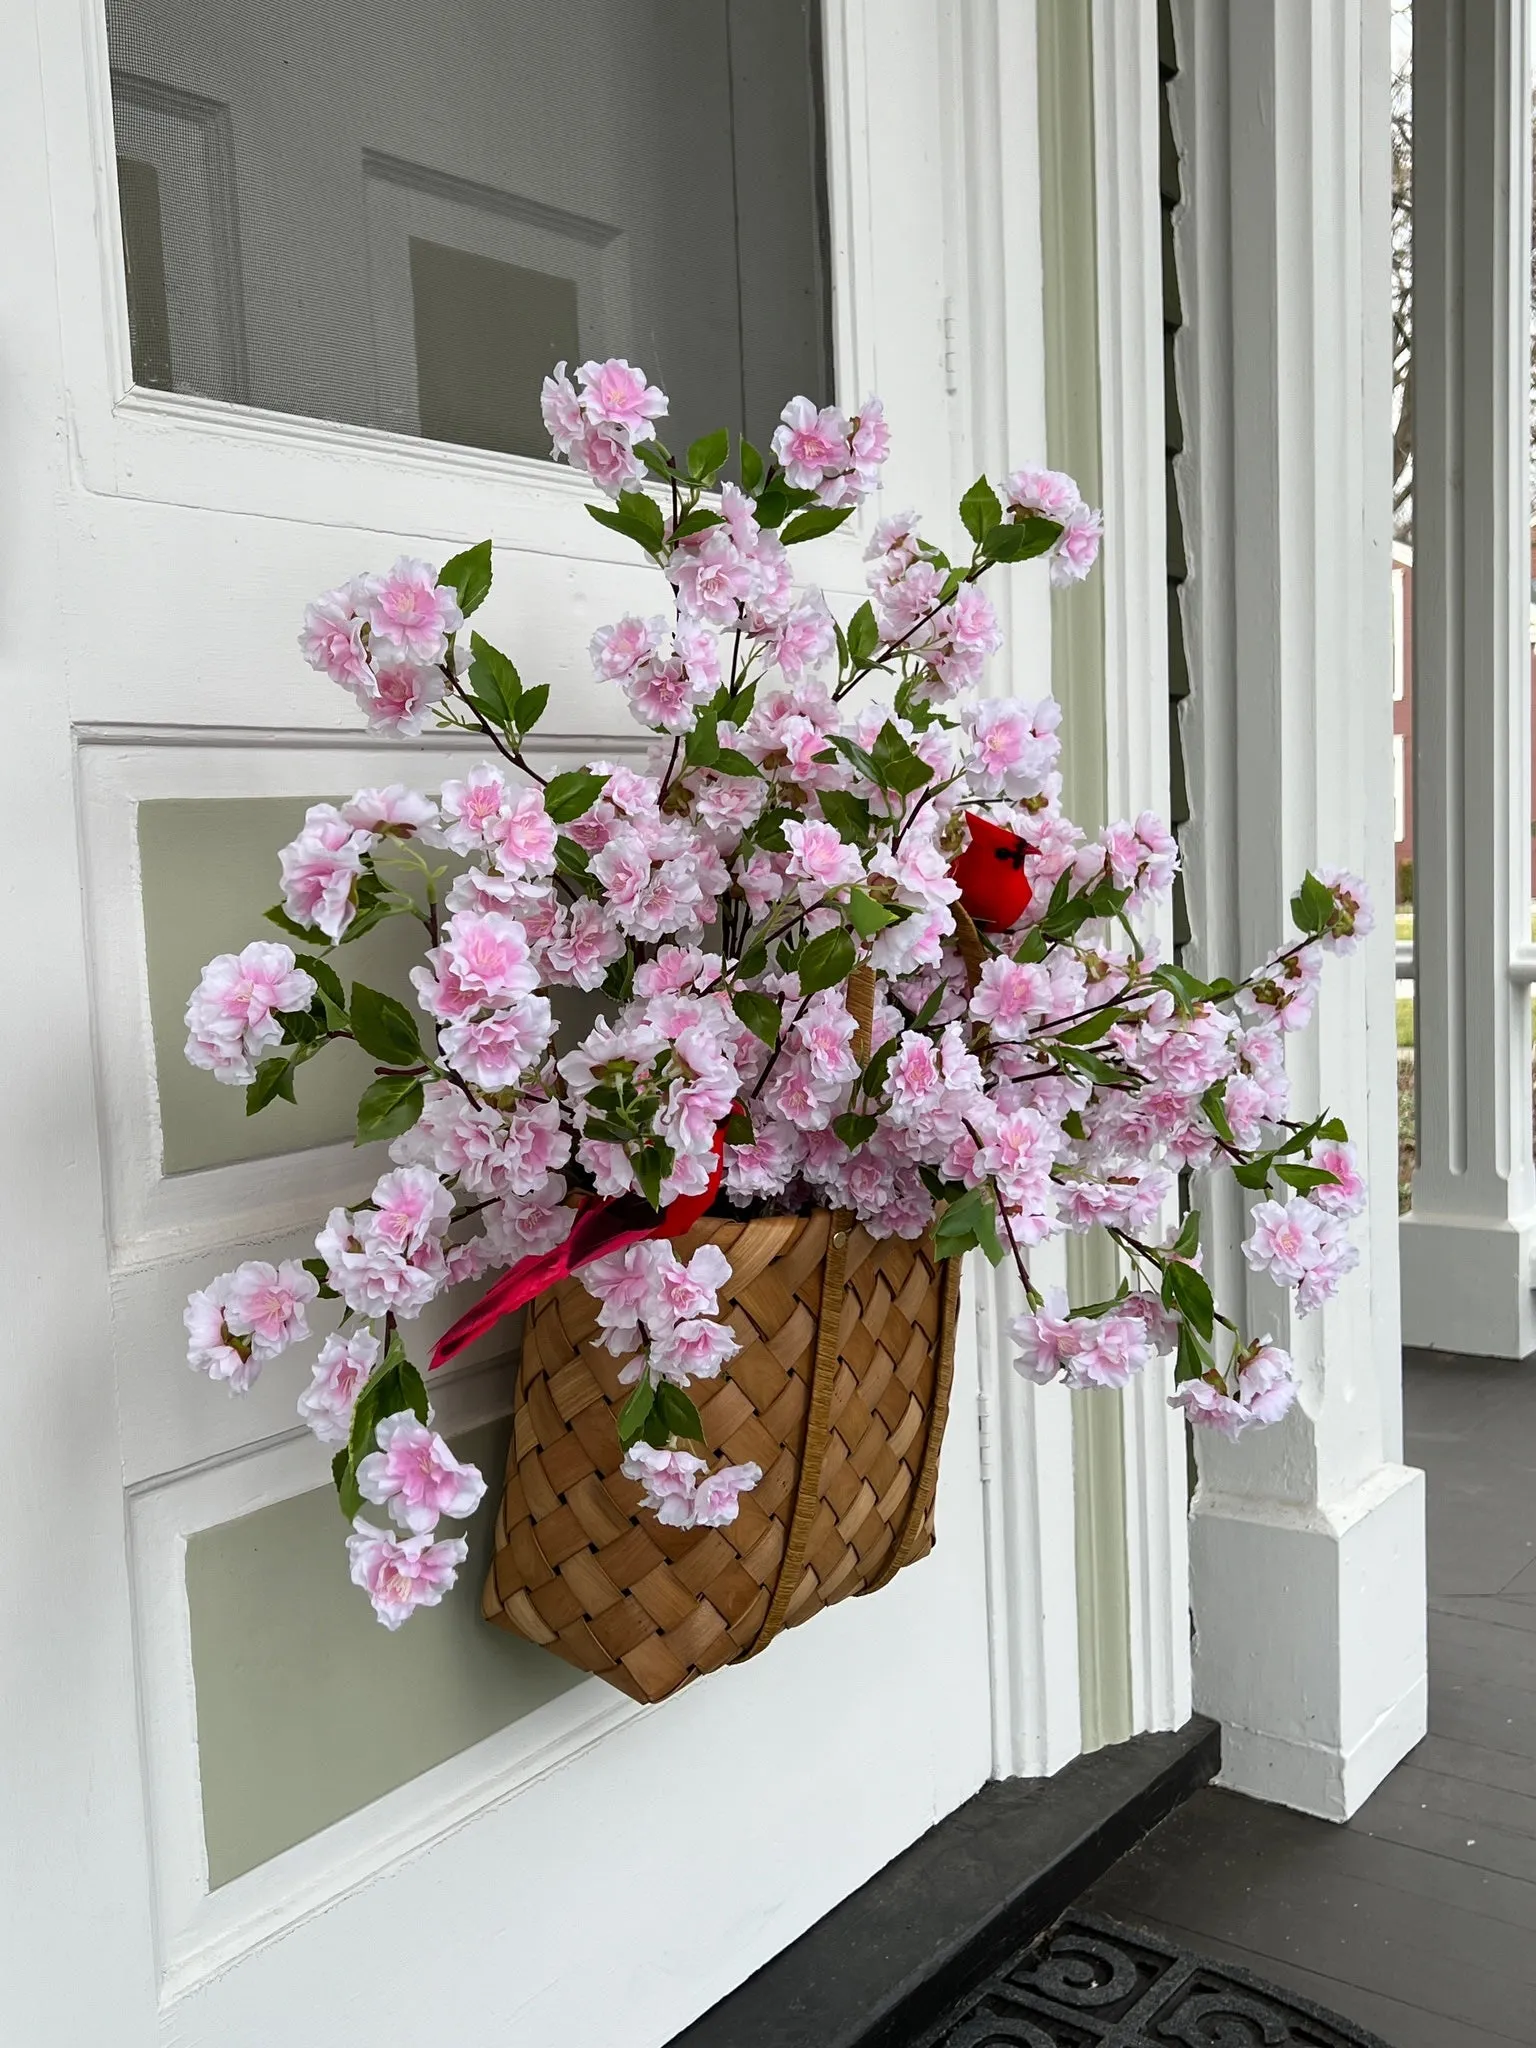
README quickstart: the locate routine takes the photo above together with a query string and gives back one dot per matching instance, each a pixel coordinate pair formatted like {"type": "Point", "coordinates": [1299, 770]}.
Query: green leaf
{"type": "Point", "coordinates": [571, 858]}
{"type": "Point", "coordinates": [708, 454]}
{"type": "Point", "coordinates": [728, 762]}
{"type": "Point", "coordinates": [1072, 1123]}
{"type": "Point", "coordinates": [1186, 989]}
{"type": "Point", "coordinates": [495, 675]}
{"type": "Point", "coordinates": [699, 520]}
{"type": "Point", "coordinates": [1084, 1062]}
{"type": "Point", "coordinates": [637, 517]}
{"type": "Point", "coordinates": [345, 1483]}
{"type": "Point", "coordinates": [678, 1413]}
{"type": "Point", "coordinates": [969, 1222]}
{"type": "Point", "coordinates": [863, 635]}
{"type": "Point", "coordinates": [1313, 907]}
{"type": "Point", "coordinates": [635, 1413]}
{"type": "Point", "coordinates": [1189, 1292]}
{"type": "Point", "coordinates": [656, 457]}
{"type": "Point", "coordinates": [980, 510]}
{"type": "Point", "coordinates": [1089, 1029]}
{"type": "Point", "coordinates": [849, 813]}
{"type": "Point", "coordinates": [1253, 1174]}
{"type": "Point", "coordinates": [772, 506]}
{"type": "Point", "coordinates": [866, 915]}
{"type": "Point", "coordinates": [701, 747]}
{"type": "Point", "coordinates": [572, 795]}
{"type": "Point", "coordinates": [273, 1078]}
{"type": "Point", "coordinates": [1187, 1243]}
{"type": "Point", "coordinates": [384, 1027]}
{"type": "Point", "coordinates": [855, 1130]}
{"type": "Point", "coordinates": [327, 980]}
{"type": "Point", "coordinates": [738, 1128]}
{"type": "Point", "coordinates": [872, 1080]}
{"type": "Point", "coordinates": [278, 916]}
{"type": "Point", "coordinates": [387, 1107]}
{"type": "Point", "coordinates": [365, 920]}
{"type": "Point", "coordinates": [752, 471]}
{"type": "Point", "coordinates": [894, 763]}
{"type": "Point", "coordinates": [768, 832]}
{"type": "Point", "coordinates": [649, 1172]}
{"type": "Point", "coordinates": [1021, 540]}
{"type": "Point", "coordinates": [530, 707]}
{"type": "Point", "coordinates": [1193, 1359]}
{"type": "Point", "coordinates": [826, 961]}
{"type": "Point", "coordinates": [1305, 1178]}
{"type": "Point", "coordinates": [468, 576]}
{"type": "Point", "coordinates": [1214, 1104]}
{"type": "Point", "coordinates": [812, 524]}
{"type": "Point", "coordinates": [762, 1015]}
{"type": "Point", "coordinates": [1334, 1130]}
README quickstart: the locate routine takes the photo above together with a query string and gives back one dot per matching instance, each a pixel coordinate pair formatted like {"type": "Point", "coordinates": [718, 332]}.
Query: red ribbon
{"type": "Point", "coordinates": [611, 1226]}
{"type": "Point", "coordinates": [993, 885]}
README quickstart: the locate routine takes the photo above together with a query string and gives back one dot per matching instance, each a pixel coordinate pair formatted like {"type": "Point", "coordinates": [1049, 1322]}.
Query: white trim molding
{"type": "Point", "coordinates": [1469, 1239]}
{"type": "Point", "coordinates": [1307, 1540]}
{"type": "Point", "coordinates": [1132, 436]}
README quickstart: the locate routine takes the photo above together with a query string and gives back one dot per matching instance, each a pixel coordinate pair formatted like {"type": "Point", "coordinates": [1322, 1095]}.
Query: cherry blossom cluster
{"type": "Point", "coordinates": [825, 802]}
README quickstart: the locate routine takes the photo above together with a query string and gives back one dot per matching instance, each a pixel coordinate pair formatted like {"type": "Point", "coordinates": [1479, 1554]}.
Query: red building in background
{"type": "Point", "coordinates": [1402, 712]}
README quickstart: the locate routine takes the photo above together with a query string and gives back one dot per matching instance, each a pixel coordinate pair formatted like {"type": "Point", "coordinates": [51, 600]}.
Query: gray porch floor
{"type": "Point", "coordinates": [1418, 1918]}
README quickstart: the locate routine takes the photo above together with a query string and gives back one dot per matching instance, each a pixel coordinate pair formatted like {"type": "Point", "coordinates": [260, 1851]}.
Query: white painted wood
{"type": "Point", "coordinates": [1129, 241]}
{"type": "Point", "coordinates": [1469, 1237]}
{"type": "Point", "coordinates": [997, 333]}
{"type": "Point", "coordinates": [1311, 1654]}
{"type": "Point", "coordinates": [161, 548]}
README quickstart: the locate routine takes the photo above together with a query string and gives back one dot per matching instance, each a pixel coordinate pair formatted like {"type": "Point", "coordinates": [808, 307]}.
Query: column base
{"type": "Point", "coordinates": [1310, 1639]}
{"type": "Point", "coordinates": [1467, 1286]}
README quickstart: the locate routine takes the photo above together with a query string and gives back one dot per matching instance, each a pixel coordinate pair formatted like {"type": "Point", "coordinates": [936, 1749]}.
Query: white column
{"type": "Point", "coordinates": [1306, 1540]}
{"type": "Point", "coordinates": [1468, 1240]}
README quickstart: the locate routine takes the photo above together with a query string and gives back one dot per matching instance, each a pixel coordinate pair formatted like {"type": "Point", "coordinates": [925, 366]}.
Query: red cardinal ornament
{"type": "Point", "coordinates": [611, 1226]}
{"type": "Point", "coordinates": [993, 885]}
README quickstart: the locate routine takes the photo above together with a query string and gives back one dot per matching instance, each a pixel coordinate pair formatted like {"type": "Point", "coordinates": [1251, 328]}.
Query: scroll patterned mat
{"type": "Point", "coordinates": [1091, 1983]}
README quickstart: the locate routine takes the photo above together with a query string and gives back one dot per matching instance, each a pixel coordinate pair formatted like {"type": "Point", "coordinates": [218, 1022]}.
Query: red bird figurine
{"type": "Point", "coordinates": [993, 885]}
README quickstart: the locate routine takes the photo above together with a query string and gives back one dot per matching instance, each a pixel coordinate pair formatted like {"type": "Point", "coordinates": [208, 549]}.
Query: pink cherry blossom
{"type": "Point", "coordinates": [670, 1480]}
{"type": "Point", "coordinates": [561, 408]}
{"type": "Point", "coordinates": [1050, 492]}
{"type": "Point", "coordinates": [717, 1498]}
{"type": "Point", "coordinates": [232, 1016]}
{"type": "Point", "coordinates": [339, 1375]}
{"type": "Point", "coordinates": [405, 693]}
{"type": "Point", "coordinates": [487, 954]}
{"type": "Point", "coordinates": [332, 642]}
{"type": "Point", "coordinates": [400, 1576]}
{"type": "Point", "coordinates": [212, 1347]}
{"type": "Point", "coordinates": [409, 610]}
{"type": "Point", "coordinates": [692, 1350]}
{"type": "Point", "coordinates": [471, 808]}
{"type": "Point", "coordinates": [618, 650]}
{"type": "Point", "coordinates": [1266, 1383]}
{"type": "Point", "coordinates": [810, 443]}
{"type": "Point", "coordinates": [524, 837]}
{"type": "Point", "coordinates": [615, 395]}
{"type": "Point", "coordinates": [1353, 918]}
{"type": "Point", "coordinates": [608, 457]}
{"type": "Point", "coordinates": [583, 950]}
{"type": "Point", "coordinates": [1210, 1407]}
{"type": "Point", "coordinates": [1345, 1194]}
{"type": "Point", "coordinates": [395, 812]}
{"type": "Point", "coordinates": [494, 1051]}
{"type": "Point", "coordinates": [1078, 548]}
{"type": "Point", "coordinates": [1045, 1339]}
{"type": "Point", "coordinates": [266, 1303]}
{"type": "Point", "coordinates": [1284, 1239]}
{"type": "Point", "coordinates": [415, 1475]}
{"type": "Point", "coordinates": [819, 860]}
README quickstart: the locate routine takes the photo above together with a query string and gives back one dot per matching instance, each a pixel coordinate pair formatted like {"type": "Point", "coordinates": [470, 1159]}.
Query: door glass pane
{"type": "Point", "coordinates": [403, 216]}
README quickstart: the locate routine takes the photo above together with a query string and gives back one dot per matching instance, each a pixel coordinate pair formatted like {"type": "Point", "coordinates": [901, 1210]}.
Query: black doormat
{"type": "Point", "coordinates": [1092, 1983]}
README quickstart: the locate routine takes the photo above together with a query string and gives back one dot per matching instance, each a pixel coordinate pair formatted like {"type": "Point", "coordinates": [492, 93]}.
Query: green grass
{"type": "Point", "coordinates": [1404, 1021]}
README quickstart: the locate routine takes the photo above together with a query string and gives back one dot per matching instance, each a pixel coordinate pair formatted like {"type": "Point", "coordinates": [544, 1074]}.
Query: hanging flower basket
{"type": "Point", "coordinates": [868, 1000]}
{"type": "Point", "coordinates": [839, 1394]}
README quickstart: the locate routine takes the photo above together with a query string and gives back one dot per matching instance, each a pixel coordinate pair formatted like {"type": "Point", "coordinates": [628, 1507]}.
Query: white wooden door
{"type": "Point", "coordinates": [156, 547]}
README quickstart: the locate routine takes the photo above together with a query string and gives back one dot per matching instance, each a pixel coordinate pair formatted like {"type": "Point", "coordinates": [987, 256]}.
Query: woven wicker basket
{"type": "Point", "coordinates": [839, 1393]}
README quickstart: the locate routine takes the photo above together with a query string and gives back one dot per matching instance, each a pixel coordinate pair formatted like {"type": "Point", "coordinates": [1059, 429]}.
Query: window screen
{"type": "Point", "coordinates": [403, 216]}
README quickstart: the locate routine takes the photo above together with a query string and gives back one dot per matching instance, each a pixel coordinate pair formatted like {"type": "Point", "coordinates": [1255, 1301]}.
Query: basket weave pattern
{"type": "Point", "coordinates": [844, 1412]}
